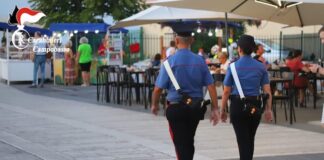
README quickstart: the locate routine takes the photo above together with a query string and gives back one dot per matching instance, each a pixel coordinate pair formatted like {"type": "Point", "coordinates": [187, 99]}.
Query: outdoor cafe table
{"type": "Point", "coordinates": [290, 94]}
{"type": "Point", "coordinates": [217, 65]}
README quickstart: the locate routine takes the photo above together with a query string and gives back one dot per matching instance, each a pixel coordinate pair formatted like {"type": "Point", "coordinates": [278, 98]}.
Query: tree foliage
{"type": "Point", "coordinates": [85, 10]}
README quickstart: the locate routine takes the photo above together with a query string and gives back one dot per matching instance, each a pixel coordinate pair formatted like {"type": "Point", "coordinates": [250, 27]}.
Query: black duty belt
{"type": "Point", "coordinates": [172, 103]}
{"type": "Point", "coordinates": [247, 97]}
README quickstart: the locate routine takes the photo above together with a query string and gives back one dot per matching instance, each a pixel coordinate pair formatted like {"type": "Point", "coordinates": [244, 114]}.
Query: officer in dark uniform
{"type": "Point", "coordinates": [192, 75]}
{"type": "Point", "coordinates": [246, 113]}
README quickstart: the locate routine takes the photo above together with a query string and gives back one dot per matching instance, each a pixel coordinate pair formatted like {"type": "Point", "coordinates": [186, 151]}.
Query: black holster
{"type": "Point", "coordinates": [194, 104]}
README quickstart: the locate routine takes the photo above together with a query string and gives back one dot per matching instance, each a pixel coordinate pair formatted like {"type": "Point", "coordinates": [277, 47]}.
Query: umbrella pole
{"type": "Point", "coordinates": [226, 35]}
{"type": "Point", "coordinates": [280, 46]}
{"type": "Point", "coordinates": [7, 49]}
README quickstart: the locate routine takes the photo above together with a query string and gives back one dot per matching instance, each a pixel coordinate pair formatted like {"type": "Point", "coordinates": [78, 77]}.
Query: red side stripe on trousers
{"type": "Point", "coordinates": [172, 137]}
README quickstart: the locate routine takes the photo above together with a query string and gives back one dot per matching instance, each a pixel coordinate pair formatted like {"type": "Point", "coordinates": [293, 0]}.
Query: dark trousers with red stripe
{"type": "Point", "coordinates": [183, 123]}
{"type": "Point", "coordinates": [245, 128]}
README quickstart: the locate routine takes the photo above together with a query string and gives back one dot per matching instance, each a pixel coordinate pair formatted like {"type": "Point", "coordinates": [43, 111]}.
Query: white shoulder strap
{"type": "Point", "coordinates": [237, 81]}
{"type": "Point", "coordinates": [171, 75]}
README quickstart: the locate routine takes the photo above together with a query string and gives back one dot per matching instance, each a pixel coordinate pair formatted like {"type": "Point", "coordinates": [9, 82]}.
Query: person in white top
{"type": "Point", "coordinates": [315, 68]}
{"type": "Point", "coordinates": [171, 50]}
{"type": "Point", "coordinates": [224, 62]}
{"type": "Point", "coordinates": [223, 59]}
{"type": "Point", "coordinates": [321, 69]}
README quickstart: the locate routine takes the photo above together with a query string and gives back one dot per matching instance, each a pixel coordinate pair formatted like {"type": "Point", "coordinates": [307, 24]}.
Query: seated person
{"type": "Point", "coordinates": [315, 68]}
{"type": "Point", "coordinates": [221, 71]}
{"type": "Point", "coordinates": [222, 56]}
{"type": "Point", "coordinates": [157, 60]}
{"type": "Point", "coordinates": [300, 82]}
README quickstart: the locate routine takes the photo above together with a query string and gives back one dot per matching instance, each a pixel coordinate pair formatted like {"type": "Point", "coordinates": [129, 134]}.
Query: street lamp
{"type": "Point", "coordinates": [210, 33]}
{"type": "Point", "coordinates": [199, 30]}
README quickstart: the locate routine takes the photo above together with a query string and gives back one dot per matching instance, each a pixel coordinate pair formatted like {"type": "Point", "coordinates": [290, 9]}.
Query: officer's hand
{"type": "Point", "coordinates": [223, 116]}
{"type": "Point", "coordinates": [155, 109]}
{"type": "Point", "coordinates": [268, 115]}
{"type": "Point", "coordinates": [214, 116]}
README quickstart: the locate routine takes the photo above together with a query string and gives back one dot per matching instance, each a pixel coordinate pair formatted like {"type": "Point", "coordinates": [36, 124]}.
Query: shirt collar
{"type": "Point", "coordinates": [183, 49]}
{"type": "Point", "coordinates": [246, 57]}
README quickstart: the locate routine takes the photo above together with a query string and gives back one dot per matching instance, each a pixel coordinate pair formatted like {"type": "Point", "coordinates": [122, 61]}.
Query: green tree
{"type": "Point", "coordinates": [85, 10]}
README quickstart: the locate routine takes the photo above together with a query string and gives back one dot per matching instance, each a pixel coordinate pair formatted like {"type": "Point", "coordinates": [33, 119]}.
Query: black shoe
{"type": "Point", "coordinates": [41, 86]}
{"type": "Point", "coordinates": [33, 86]}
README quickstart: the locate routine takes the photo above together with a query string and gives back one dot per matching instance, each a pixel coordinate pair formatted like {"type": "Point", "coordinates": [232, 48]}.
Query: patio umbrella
{"type": "Point", "coordinates": [307, 1]}
{"type": "Point", "coordinates": [157, 14]}
{"type": "Point", "coordinates": [290, 13]}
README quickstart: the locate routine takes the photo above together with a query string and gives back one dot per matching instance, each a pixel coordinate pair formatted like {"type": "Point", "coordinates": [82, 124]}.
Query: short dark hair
{"type": "Point", "coordinates": [172, 43]}
{"type": "Point", "coordinates": [38, 33]}
{"type": "Point", "coordinates": [157, 57]}
{"type": "Point", "coordinates": [321, 30]}
{"type": "Point", "coordinates": [297, 53]}
{"type": "Point", "coordinates": [247, 44]}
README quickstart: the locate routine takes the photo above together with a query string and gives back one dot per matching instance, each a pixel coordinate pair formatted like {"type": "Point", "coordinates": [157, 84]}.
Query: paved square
{"type": "Point", "coordinates": [34, 127]}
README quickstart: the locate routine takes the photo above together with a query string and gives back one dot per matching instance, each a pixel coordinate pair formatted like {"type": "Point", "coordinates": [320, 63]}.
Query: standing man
{"type": "Point", "coordinates": [192, 74]}
{"type": "Point", "coordinates": [321, 34]}
{"type": "Point", "coordinates": [321, 70]}
{"type": "Point", "coordinates": [171, 50]}
{"type": "Point", "coordinates": [252, 76]}
{"type": "Point", "coordinates": [318, 68]}
{"type": "Point", "coordinates": [39, 50]}
{"type": "Point", "coordinates": [259, 51]}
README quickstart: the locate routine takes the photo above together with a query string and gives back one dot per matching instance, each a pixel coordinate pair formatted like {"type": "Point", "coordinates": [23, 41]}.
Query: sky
{"type": "Point", "coordinates": [7, 6]}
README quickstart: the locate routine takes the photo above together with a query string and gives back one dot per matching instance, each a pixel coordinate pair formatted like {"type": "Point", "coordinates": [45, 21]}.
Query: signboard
{"type": "Point", "coordinates": [219, 32]}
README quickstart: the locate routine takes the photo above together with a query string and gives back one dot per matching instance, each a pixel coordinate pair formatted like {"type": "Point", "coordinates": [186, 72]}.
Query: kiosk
{"type": "Point", "coordinates": [15, 64]}
{"type": "Point", "coordinates": [95, 32]}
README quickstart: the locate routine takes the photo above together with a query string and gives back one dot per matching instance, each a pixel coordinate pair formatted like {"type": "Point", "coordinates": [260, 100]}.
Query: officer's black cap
{"type": "Point", "coordinates": [182, 29]}
{"type": "Point", "coordinates": [246, 42]}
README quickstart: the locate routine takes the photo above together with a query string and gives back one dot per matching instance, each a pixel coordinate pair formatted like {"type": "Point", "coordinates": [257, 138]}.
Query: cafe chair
{"type": "Point", "coordinates": [285, 96]}
{"type": "Point", "coordinates": [151, 75]}
{"type": "Point", "coordinates": [112, 84]}
{"type": "Point", "coordinates": [137, 85]}
{"type": "Point", "coordinates": [101, 76]}
{"type": "Point", "coordinates": [124, 81]}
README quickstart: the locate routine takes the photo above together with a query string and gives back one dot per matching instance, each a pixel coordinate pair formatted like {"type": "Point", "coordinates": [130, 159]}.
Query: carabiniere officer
{"type": "Point", "coordinates": [192, 74]}
{"type": "Point", "coordinates": [252, 75]}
